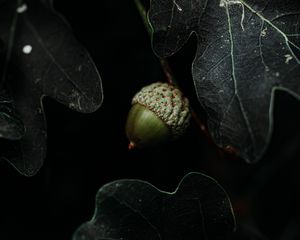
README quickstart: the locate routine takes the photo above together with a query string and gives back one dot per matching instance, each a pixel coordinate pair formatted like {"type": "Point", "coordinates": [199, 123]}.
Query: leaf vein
{"type": "Point", "coordinates": [275, 27]}
{"type": "Point", "coordinates": [139, 213]}
{"type": "Point", "coordinates": [50, 55]}
{"type": "Point", "coordinates": [235, 79]}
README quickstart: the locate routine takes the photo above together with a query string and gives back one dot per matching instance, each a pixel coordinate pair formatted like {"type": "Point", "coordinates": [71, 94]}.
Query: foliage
{"type": "Point", "coordinates": [246, 50]}
{"type": "Point", "coordinates": [133, 209]}
{"type": "Point", "coordinates": [41, 58]}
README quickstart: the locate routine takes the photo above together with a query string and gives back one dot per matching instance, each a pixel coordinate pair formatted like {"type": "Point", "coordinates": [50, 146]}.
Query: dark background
{"type": "Point", "coordinates": [86, 151]}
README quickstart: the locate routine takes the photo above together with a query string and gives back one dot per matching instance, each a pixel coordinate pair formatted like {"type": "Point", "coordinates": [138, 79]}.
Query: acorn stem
{"type": "Point", "coordinates": [168, 71]}
{"type": "Point", "coordinates": [131, 146]}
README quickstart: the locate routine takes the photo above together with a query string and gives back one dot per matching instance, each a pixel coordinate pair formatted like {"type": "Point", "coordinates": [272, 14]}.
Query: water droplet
{"type": "Point", "coordinates": [22, 8]}
{"type": "Point", "coordinates": [27, 49]}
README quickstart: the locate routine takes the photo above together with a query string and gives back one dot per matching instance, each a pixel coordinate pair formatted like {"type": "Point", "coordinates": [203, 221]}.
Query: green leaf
{"type": "Point", "coordinates": [247, 49]}
{"type": "Point", "coordinates": [136, 210]}
{"type": "Point", "coordinates": [43, 58]}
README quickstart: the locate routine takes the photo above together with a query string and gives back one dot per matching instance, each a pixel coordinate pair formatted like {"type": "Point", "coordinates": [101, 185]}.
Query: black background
{"type": "Point", "coordinates": [86, 151]}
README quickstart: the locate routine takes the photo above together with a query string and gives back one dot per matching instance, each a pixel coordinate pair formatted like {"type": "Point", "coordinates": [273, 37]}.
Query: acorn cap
{"type": "Point", "coordinates": [160, 111]}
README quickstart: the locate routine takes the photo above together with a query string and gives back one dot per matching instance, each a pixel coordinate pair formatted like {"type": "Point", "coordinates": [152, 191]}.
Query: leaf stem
{"type": "Point", "coordinates": [143, 13]}
{"type": "Point", "coordinates": [167, 68]}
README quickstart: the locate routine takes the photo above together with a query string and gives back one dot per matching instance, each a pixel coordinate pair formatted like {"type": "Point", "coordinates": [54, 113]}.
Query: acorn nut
{"type": "Point", "coordinates": [159, 113]}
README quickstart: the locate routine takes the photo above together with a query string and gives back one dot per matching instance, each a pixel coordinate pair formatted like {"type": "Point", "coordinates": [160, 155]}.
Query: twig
{"type": "Point", "coordinates": [143, 14]}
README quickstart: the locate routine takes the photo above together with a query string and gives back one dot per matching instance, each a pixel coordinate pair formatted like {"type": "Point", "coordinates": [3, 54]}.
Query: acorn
{"type": "Point", "coordinates": [159, 113]}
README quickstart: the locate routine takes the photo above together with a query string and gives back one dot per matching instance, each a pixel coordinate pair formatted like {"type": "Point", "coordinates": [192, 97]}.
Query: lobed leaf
{"type": "Point", "coordinates": [247, 49]}
{"type": "Point", "coordinates": [136, 210]}
{"type": "Point", "coordinates": [43, 58]}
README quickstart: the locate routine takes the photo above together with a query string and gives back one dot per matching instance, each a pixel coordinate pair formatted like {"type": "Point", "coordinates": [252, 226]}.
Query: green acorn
{"type": "Point", "coordinates": [159, 113]}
